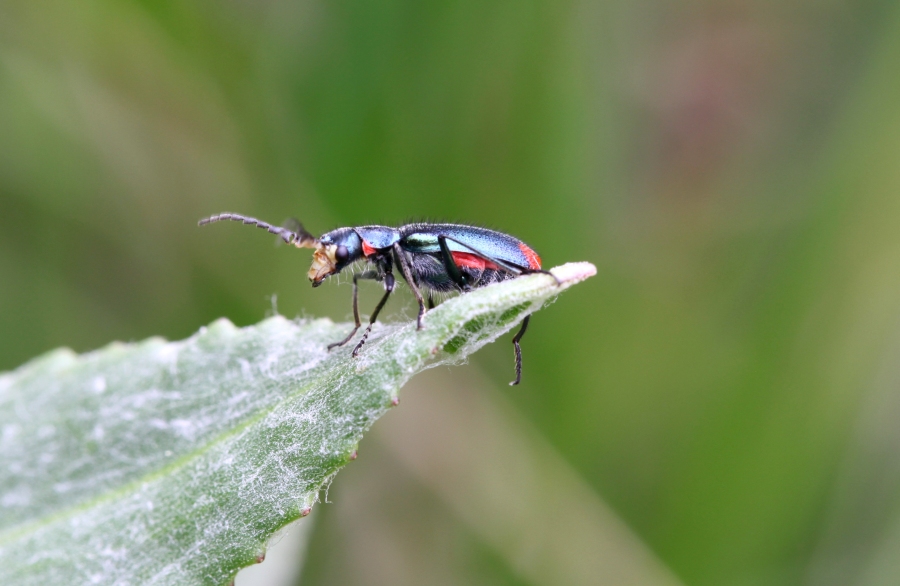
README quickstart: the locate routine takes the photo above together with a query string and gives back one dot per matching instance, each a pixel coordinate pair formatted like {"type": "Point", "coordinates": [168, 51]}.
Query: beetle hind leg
{"type": "Point", "coordinates": [515, 342]}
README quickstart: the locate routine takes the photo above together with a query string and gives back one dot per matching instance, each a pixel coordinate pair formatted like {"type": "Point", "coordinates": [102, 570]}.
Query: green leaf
{"type": "Point", "coordinates": [173, 462]}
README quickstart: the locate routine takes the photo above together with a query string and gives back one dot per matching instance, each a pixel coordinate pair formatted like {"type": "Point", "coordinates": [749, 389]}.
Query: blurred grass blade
{"type": "Point", "coordinates": [173, 462]}
{"type": "Point", "coordinates": [534, 502]}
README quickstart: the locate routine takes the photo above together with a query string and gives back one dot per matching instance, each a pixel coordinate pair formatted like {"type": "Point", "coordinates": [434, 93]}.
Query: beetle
{"type": "Point", "coordinates": [431, 256]}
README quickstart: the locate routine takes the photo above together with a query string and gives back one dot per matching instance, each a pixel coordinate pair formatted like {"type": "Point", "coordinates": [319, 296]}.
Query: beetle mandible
{"type": "Point", "coordinates": [434, 257]}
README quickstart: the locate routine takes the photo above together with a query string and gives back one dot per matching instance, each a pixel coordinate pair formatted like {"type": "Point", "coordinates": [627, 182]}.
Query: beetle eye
{"type": "Point", "coordinates": [341, 254]}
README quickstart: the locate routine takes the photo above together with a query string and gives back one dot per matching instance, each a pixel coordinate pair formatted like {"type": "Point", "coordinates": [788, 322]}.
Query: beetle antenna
{"type": "Point", "coordinates": [299, 237]}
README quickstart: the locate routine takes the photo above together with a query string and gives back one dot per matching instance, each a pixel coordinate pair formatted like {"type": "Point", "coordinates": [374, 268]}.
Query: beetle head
{"type": "Point", "coordinates": [334, 251]}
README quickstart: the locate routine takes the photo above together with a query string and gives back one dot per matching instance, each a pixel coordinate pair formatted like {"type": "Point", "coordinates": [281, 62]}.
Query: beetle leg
{"type": "Point", "coordinates": [450, 265]}
{"type": "Point", "coordinates": [407, 274]}
{"type": "Point", "coordinates": [515, 341]}
{"type": "Point", "coordinates": [388, 288]}
{"type": "Point", "coordinates": [366, 275]}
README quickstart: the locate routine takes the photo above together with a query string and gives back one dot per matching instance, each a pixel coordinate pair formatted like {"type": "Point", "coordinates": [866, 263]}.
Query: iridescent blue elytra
{"type": "Point", "coordinates": [434, 257]}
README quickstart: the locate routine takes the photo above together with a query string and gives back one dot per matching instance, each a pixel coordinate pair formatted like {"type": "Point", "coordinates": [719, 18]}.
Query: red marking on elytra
{"type": "Point", "coordinates": [368, 250]}
{"type": "Point", "coordinates": [472, 261]}
{"type": "Point", "coordinates": [534, 261]}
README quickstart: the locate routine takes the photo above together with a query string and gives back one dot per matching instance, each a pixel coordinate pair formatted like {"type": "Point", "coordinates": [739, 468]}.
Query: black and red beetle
{"type": "Point", "coordinates": [435, 257]}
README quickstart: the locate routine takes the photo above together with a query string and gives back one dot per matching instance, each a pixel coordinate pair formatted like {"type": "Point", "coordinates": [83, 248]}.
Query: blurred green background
{"type": "Point", "coordinates": [728, 385]}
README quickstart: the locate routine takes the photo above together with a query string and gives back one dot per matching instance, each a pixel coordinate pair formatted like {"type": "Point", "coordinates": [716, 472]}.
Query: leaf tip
{"type": "Point", "coordinates": [574, 272]}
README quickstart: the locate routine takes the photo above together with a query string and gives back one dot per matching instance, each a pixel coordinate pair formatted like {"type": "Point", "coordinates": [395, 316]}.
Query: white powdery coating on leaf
{"type": "Point", "coordinates": [174, 462]}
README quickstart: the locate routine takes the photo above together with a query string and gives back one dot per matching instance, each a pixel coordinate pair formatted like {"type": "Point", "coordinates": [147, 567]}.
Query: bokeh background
{"type": "Point", "coordinates": [720, 405]}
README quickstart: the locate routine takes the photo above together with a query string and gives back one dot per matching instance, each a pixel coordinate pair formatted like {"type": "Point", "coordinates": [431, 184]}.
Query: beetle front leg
{"type": "Point", "coordinates": [366, 275]}
{"type": "Point", "coordinates": [407, 274]}
{"type": "Point", "coordinates": [388, 288]}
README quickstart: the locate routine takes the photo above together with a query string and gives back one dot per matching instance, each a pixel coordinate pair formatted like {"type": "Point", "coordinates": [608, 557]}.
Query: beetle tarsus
{"type": "Point", "coordinates": [359, 346]}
